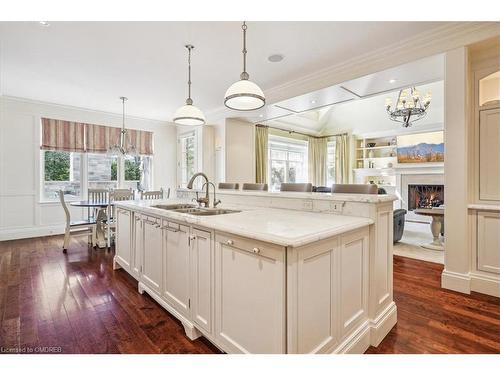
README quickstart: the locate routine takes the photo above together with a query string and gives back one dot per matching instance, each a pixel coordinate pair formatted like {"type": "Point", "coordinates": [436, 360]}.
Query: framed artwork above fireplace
{"type": "Point", "coordinates": [421, 148]}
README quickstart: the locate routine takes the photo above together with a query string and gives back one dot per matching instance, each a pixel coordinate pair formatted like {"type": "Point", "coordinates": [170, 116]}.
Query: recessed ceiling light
{"type": "Point", "coordinates": [313, 101]}
{"type": "Point", "coordinates": [44, 23]}
{"type": "Point", "coordinates": [261, 115]}
{"type": "Point", "coordinates": [276, 58]}
{"type": "Point", "coordinates": [392, 80]}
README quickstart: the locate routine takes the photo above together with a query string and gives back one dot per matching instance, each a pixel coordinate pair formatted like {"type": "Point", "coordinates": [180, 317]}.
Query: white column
{"type": "Point", "coordinates": [457, 247]}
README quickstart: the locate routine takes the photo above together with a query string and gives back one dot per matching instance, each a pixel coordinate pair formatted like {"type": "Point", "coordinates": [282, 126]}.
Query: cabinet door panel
{"type": "Point", "coordinates": [489, 154]}
{"type": "Point", "coordinates": [317, 297]}
{"type": "Point", "coordinates": [353, 280]}
{"type": "Point", "coordinates": [488, 241]}
{"type": "Point", "coordinates": [124, 238]}
{"type": "Point", "coordinates": [176, 289]}
{"type": "Point", "coordinates": [250, 300]}
{"type": "Point", "coordinates": [138, 245]}
{"type": "Point", "coordinates": [153, 255]}
{"type": "Point", "coordinates": [202, 279]}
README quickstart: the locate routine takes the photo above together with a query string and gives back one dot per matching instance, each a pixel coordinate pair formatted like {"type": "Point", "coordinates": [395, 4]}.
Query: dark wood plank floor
{"type": "Point", "coordinates": [76, 303]}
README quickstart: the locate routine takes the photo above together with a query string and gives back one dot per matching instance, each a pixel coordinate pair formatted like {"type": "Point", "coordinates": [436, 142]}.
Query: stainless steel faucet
{"type": "Point", "coordinates": [215, 201]}
{"type": "Point", "coordinates": [206, 199]}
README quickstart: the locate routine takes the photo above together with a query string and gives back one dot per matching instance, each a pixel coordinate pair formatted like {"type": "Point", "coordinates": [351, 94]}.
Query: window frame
{"type": "Point", "coordinates": [329, 142]}
{"type": "Point", "coordinates": [180, 136]}
{"type": "Point", "coordinates": [290, 143]}
{"type": "Point", "coordinates": [84, 178]}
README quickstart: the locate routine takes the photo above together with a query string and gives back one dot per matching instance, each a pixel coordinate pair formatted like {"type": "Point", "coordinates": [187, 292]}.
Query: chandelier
{"type": "Point", "coordinates": [410, 106]}
{"type": "Point", "coordinates": [123, 148]}
{"type": "Point", "coordinates": [244, 95]}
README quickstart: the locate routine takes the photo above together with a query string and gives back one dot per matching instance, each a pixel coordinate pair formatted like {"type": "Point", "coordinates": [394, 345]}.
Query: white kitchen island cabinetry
{"type": "Point", "coordinates": [152, 269]}
{"type": "Point", "coordinates": [176, 266]}
{"type": "Point", "coordinates": [202, 279]}
{"type": "Point", "coordinates": [123, 255]}
{"type": "Point", "coordinates": [250, 295]}
{"type": "Point", "coordinates": [310, 290]}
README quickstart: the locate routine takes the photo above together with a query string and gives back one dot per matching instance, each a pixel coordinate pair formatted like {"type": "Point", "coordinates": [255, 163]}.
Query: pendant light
{"type": "Point", "coordinates": [244, 95]}
{"type": "Point", "coordinates": [188, 114]}
{"type": "Point", "coordinates": [123, 147]}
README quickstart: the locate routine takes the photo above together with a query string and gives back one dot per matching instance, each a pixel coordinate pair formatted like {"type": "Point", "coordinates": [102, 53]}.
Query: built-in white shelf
{"type": "Point", "coordinates": [376, 147]}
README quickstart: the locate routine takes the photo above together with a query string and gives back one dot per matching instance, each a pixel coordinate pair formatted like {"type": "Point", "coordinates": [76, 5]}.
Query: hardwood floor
{"type": "Point", "coordinates": [76, 303]}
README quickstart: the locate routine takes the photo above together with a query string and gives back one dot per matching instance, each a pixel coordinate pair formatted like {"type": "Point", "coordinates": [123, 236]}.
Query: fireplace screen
{"type": "Point", "coordinates": [425, 196]}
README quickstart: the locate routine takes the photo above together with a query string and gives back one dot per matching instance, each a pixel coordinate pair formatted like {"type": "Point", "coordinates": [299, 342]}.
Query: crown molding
{"type": "Point", "coordinates": [437, 40]}
{"type": "Point", "coordinates": [16, 99]}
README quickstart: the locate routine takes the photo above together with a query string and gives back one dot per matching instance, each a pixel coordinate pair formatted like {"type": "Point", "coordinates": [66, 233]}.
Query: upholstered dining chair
{"type": "Point", "coordinates": [229, 186]}
{"type": "Point", "coordinates": [76, 227]}
{"type": "Point", "coordinates": [355, 188]}
{"type": "Point", "coordinates": [155, 194]}
{"type": "Point", "coordinates": [254, 186]}
{"type": "Point", "coordinates": [290, 186]}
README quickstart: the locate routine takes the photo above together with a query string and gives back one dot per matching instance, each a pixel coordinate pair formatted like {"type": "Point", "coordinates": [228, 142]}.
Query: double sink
{"type": "Point", "coordinates": [194, 210]}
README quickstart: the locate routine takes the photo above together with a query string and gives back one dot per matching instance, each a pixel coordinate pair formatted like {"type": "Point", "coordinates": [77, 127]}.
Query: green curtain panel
{"type": "Point", "coordinates": [317, 160]}
{"type": "Point", "coordinates": [342, 159]}
{"type": "Point", "coordinates": [261, 142]}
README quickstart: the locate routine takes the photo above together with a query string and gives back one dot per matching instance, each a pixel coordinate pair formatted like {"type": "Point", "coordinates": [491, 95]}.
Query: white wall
{"type": "Point", "coordinates": [21, 212]}
{"type": "Point", "coordinates": [239, 151]}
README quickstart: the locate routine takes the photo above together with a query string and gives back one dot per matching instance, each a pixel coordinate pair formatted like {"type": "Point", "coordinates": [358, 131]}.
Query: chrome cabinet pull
{"type": "Point", "coordinates": [170, 228]}
{"type": "Point", "coordinates": [229, 242]}
{"type": "Point", "coordinates": [256, 250]}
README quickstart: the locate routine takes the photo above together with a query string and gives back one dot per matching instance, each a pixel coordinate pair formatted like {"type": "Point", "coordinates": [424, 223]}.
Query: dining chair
{"type": "Point", "coordinates": [109, 221]}
{"type": "Point", "coordinates": [96, 195]}
{"type": "Point", "coordinates": [228, 186]}
{"type": "Point", "coordinates": [355, 188]}
{"type": "Point", "coordinates": [254, 186]}
{"type": "Point", "coordinates": [153, 194]}
{"type": "Point", "coordinates": [291, 186]}
{"type": "Point", "coordinates": [76, 227]}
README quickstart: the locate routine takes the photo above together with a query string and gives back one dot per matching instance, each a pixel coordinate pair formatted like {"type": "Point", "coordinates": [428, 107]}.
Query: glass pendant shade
{"type": "Point", "coordinates": [189, 115]}
{"type": "Point", "coordinates": [244, 95]}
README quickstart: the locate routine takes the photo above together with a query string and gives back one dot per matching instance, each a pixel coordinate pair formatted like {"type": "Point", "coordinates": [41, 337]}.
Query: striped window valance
{"type": "Point", "coordinates": [63, 135]}
{"type": "Point", "coordinates": [80, 137]}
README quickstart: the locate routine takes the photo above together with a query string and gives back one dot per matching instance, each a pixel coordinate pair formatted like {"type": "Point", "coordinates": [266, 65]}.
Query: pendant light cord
{"type": "Point", "coordinates": [244, 74]}
{"type": "Point", "coordinates": [189, 101]}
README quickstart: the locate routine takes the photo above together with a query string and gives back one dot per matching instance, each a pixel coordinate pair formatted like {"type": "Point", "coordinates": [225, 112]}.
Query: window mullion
{"type": "Point", "coordinates": [84, 180]}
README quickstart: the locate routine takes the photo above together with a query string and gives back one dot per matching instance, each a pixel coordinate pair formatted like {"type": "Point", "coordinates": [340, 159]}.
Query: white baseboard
{"type": "Point", "coordinates": [489, 285]}
{"type": "Point", "coordinates": [381, 326]}
{"type": "Point", "coordinates": [40, 231]}
{"type": "Point", "coordinates": [459, 282]}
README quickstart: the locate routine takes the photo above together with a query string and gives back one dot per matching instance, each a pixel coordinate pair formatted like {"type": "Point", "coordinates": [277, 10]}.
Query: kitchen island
{"type": "Point", "coordinates": [264, 280]}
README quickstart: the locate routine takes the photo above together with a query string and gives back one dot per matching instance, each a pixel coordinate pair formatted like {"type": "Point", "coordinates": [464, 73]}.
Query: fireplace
{"type": "Point", "coordinates": [425, 196]}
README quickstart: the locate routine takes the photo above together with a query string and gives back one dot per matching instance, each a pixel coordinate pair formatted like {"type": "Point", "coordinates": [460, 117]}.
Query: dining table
{"type": "Point", "coordinates": [101, 210]}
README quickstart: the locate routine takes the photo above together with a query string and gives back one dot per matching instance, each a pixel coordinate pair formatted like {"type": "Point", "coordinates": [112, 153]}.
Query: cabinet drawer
{"type": "Point", "coordinates": [250, 245]}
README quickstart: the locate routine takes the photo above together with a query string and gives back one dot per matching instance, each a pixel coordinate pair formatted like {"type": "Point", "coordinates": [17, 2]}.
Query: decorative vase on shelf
{"type": "Point", "coordinates": [371, 154]}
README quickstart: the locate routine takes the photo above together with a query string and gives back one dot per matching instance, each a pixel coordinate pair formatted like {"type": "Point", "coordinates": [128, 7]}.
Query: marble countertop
{"type": "Point", "coordinates": [365, 198]}
{"type": "Point", "coordinates": [278, 226]}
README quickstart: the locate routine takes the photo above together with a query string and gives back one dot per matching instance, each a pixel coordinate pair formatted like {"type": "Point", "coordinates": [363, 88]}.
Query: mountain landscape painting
{"type": "Point", "coordinates": [421, 148]}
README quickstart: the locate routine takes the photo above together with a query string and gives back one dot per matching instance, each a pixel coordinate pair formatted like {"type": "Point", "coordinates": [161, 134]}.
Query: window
{"type": "Point", "coordinates": [102, 171]}
{"type": "Point", "coordinates": [187, 157]}
{"type": "Point", "coordinates": [137, 172]}
{"type": "Point", "coordinates": [61, 171]}
{"type": "Point", "coordinates": [330, 163]}
{"type": "Point", "coordinates": [287, 161]}
{"type": "Point", "coordinates": [75, 172]}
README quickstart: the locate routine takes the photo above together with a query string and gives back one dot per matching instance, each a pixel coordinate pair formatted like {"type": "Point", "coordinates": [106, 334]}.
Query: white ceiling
{"type": "Point", "coordinates": [91, 64]}
{"type": "Point", "coordinates": [358, 104]}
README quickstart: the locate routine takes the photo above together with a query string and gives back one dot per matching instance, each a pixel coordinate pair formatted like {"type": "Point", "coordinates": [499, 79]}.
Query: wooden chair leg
{"type": "Point", "coordinates": [66, 240]}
